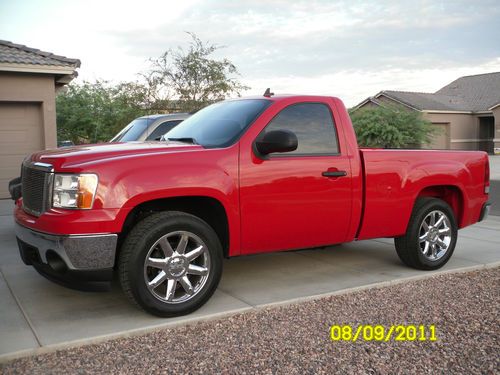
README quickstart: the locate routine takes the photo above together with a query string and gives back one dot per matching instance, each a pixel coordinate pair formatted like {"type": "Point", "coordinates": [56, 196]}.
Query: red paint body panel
{"type": "Point", "coordinates": [395, 178]}
{"type": "Point", "coordinates": [134, 173]}
{"type": "Point", "coordinates": [271, 204]}
{"type": "Point", "coordinates": [285, 201]}
{"type": "Point", "coordinates": [65, 222]}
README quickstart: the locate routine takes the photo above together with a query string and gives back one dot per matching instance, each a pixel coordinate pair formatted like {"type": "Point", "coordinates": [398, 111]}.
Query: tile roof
{"type": "Point", "coordinates": [19, 54]}
{"type": "Point", "coordinates": [427, 101]}
{"type": "Point", "coordinates": [470, 93]}
{"type": "Point", "coordinates": [480, 92]}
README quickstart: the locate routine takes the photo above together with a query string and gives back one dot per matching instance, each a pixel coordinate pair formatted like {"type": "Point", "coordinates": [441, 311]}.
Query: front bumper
{"type": "Point", "coordinates": [68, 257]}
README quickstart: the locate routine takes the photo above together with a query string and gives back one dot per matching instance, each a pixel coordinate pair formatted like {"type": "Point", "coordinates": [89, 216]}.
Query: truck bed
{"type": "Point", "coordinates": [394, 179]}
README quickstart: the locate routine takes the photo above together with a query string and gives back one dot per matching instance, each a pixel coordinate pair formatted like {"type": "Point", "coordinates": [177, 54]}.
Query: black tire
{"type": "Point", "coordinates": [410, 248]}
{"type": "Point", "coordinates": [140, 243]}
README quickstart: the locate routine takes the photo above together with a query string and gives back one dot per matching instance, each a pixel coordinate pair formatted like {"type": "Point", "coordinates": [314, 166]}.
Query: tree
{"type": "Point", "coordinates": [177, 80]}
{"type": "Point", "coordinates": [93, 112]}
{"type": "Point", "coordinates": [193, 77]}
{"type": "Point", "coordinates": [391, 127]}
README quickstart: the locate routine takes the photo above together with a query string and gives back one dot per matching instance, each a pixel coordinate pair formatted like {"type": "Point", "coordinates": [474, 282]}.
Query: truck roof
{"type": "Point", "coordinates": [161, 115]}
{"type": "Point", "coordinates": [284, 96]}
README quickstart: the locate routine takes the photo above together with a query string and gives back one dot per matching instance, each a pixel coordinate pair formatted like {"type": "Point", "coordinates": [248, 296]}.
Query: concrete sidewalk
{"type": "Point", "coordinates": [37, 315]}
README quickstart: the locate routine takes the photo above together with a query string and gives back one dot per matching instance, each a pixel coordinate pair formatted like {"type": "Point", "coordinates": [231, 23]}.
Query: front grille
{"type": "Point", "coordinates": [35, 180]}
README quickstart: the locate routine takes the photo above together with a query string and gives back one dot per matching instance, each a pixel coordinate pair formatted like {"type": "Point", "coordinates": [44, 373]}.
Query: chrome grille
{"type": "Point", "coordinates": [35, 183]}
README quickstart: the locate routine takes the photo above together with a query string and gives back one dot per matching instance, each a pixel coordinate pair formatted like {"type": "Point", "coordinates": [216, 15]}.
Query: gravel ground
{"type": "Point", "coordinates": [294, 339]}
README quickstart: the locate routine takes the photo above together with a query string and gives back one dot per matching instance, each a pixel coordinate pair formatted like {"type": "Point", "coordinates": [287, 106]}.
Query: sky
{"type": "Point", "coordinates": [350, 49]}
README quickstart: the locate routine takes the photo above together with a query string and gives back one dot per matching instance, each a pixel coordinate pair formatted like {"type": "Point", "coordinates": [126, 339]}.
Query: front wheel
{"type": "Point", "coordinates": [431, 235]}
{"type": "Point", "coordinates": [170, 263]}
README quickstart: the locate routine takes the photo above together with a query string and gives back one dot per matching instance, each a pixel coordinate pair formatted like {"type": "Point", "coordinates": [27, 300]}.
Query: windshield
{"type": "Point", "coordinates": [220, 124]}
{"type": "Point", "coordinates": [132, 131]}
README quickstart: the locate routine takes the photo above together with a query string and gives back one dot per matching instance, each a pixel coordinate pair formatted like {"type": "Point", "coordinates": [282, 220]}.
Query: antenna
{"type": "Point", "coordinates": [268, 93]}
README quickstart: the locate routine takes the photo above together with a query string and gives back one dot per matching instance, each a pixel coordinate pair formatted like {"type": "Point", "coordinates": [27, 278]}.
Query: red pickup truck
{"type": "Point", "coordinates": [243, 176]}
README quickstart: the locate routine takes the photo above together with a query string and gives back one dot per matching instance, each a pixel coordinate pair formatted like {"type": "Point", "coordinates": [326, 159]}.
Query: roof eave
{"type": "Point", "coordinates": [42, 69]}
{"type": "Point", "coordinates": [447, 111]}
{"type": "Point", "coordinates": [67, 78]}
{"type": "Point", "coordinates": [396, 100]}
{"type": "Point", "coordinates": [367, 100]}
{"type": "Point", "coordinates": [495, 106]}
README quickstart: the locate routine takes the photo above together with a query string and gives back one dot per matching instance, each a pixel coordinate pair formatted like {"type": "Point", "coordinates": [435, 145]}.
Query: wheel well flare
{"type": "Point", "coordinates": [450, 194]}
{"type": "Point", "coordinates": [208, 209]}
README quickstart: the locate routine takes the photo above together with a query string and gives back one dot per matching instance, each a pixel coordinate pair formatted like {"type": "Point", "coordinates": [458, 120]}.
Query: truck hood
{"type": "Point", "coordinates": [74, 157]}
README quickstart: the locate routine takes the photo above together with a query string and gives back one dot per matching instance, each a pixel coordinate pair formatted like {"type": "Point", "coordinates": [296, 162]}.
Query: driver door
{"type": "Point", "coordinates": [293, 200]}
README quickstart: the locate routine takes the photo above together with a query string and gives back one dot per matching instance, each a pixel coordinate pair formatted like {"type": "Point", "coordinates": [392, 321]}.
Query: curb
{"type": "Point", "coordinates": [378, 285]}
{"type": "Point", "coordinates": [187, 321]}
{"type": "Point", "coordinates": [117, 335]}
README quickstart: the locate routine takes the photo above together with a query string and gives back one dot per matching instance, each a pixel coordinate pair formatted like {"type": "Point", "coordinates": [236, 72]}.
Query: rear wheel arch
{"type": "Point", "coordinates": [431, 235]}
{"type": "Point", "coordinates": [451, 194]}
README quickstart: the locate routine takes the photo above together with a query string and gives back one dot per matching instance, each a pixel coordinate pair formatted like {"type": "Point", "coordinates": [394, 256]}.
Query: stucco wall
{"type": "Point", "coordinates": [463, 129]}
{"type": "Point", "coordinates": [34, 88]}
{"type": "Point", "coordinates": [496, 114]}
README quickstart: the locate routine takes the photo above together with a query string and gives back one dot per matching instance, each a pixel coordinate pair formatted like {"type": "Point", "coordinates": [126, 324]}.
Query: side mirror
{"type": "Point", "coordinates": [277, 141]}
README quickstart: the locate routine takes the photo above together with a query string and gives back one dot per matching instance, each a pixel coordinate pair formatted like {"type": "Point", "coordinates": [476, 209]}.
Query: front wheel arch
{"type": "Point", "coordinates": [208, 209]}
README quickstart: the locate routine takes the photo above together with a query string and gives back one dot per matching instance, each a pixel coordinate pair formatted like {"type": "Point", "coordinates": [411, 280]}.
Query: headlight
{"type": "Point", "coordinates": [74, 190]}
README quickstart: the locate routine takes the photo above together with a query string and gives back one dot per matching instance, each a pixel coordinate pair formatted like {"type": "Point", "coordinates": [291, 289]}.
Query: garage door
{"type": "Point", "coordinates": [441, 140]}
{"type": "Point", "coordinates": [21, 133]}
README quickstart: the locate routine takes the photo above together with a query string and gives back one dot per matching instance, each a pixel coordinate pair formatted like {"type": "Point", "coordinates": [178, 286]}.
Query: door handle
{"type": "Point", "coordinates": [334, 174]}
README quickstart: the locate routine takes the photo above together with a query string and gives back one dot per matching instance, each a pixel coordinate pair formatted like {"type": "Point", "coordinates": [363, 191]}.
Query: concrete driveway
{"type": "Point", "coordinates": [494, 167]}
{"type": "Point", "coordinates": [37, 315]}
{"type": "Point", "coordinates": [495, 184]}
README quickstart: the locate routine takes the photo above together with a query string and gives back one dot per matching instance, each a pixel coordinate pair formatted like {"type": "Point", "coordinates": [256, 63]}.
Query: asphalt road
{"type": "Point", "coordinates": [495, 197]}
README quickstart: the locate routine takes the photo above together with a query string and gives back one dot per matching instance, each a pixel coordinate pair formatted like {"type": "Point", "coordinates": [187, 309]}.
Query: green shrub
{"type": "Point", "coordinates": [391, 127]}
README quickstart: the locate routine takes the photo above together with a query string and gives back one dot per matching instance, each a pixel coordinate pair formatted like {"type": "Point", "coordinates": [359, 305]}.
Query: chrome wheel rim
{"type": "Point", "coordinates": [435, 235]}
{"type": "Point", "coordinates": [177, 267]}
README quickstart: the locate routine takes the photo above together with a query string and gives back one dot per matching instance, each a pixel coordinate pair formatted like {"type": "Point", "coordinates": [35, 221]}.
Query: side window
{"type": "Point", "coordinates": [313, 125]}
{"type": "Point", "coordinates": [163, 128]}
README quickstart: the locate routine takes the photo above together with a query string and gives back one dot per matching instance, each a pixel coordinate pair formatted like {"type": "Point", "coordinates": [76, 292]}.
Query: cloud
{"type": "Point", "coordinates": [325, 37]}
{"type": "Point", "coordinates": [353, 86]}
{"type": "Point", "coordinates": [348, 48]}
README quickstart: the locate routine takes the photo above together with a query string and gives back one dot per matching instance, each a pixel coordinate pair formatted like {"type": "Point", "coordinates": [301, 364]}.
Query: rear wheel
{"type": "Point", "coordinates": [170, 263]}
{"type": "Point", "coordinates": [431, 236]}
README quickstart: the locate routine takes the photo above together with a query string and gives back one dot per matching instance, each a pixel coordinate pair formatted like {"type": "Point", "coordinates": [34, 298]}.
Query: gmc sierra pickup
{"type": "Point", "coordinates": [239, 177]}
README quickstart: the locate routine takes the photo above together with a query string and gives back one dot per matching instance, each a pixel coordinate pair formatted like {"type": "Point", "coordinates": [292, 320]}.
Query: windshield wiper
{"type": "Point", "coordinates": [184, 139]}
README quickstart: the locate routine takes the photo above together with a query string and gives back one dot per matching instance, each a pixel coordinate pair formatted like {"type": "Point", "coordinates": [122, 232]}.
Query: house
{"type": "Point", "coordinates": [467, 111]}
{"type": "Point", "coordinates": [29, 80]}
